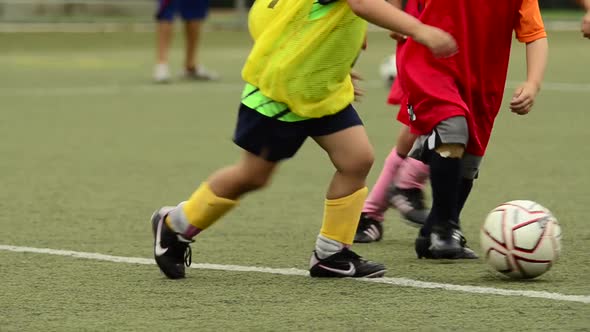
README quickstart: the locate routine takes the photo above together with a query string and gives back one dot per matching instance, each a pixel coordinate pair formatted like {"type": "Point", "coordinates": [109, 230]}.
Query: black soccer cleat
{"type": "Point", "coordinates": [410, 204]}
{"type": "Point", "coordinates": [425, 249]}
{"type": "Point", "coordinates": [171, 251]}
{"type": "Point", "coordinates": [368, 230]}
{"type": "Point", "coordinates": [343, 264]}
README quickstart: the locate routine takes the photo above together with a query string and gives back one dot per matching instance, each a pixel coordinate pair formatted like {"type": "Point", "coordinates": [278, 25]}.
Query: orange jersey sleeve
{"type": "Point", "coordinates": [529, 26]}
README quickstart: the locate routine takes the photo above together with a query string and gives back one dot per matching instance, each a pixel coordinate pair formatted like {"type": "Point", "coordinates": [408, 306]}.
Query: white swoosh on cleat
{"type": "Point", "coordinates": [350, 272]}
{"type": "Point", "coordinates": [158, 250]}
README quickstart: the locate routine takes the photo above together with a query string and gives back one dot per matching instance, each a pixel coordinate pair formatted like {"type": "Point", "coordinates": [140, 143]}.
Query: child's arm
{"type": "Point", "coordinates": [398, 3]}
{"type": "Point", "coordinates": [394, 35]}
{"type": "Point", "coordinates": [383, 14]}
{"type": "Point", "coordinates": [536, 58]}
{"type": "Point", "coordinates": [586, 20]}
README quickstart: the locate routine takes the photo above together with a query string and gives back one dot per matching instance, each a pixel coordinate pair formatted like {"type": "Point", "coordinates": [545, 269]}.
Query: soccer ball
{"type": "Point", "coordinates": [388, 70]}
{"type": "Point", "coordinates": [521, 239]}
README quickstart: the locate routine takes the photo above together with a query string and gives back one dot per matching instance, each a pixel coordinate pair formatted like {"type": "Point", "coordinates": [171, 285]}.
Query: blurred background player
{"type": "Point", "coordinates": [310, 98]}
{"type": "Point", "coordinates": [193, 13]}
{"type": "Point", "coordinates": [453, 102]}
{"type": "Point", "coordinates": [400, 185]}
{"type": "Point", "coordinates": [401, 181]}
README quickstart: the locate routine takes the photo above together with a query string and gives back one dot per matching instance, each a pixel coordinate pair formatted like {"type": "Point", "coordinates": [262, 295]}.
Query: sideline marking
{"type": "Point", "coordinates": [401, 282]}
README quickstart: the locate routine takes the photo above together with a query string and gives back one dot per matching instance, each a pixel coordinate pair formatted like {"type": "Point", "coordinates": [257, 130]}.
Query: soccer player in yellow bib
{"type": "Point", "coordinates": [298, 85]}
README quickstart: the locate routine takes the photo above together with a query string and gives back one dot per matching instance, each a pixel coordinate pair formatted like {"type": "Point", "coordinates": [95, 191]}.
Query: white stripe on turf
{"type": "Point", "coordinates": [403, 282]}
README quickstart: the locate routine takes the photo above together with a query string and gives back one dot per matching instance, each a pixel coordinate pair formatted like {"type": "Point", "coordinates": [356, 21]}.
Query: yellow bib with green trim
{"type": "Point", "coordinates": [303, 53]}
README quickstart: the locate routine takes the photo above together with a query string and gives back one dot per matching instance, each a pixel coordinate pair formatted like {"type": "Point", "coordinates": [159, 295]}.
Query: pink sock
{"type": "Point", "coordinates": [412, 174]}
{"type": "Point", "coordinates": [376, 204]}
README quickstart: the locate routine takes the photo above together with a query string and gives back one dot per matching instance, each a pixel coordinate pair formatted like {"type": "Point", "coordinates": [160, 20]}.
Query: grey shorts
{"type": "Point", "coordinates": [450, 131]}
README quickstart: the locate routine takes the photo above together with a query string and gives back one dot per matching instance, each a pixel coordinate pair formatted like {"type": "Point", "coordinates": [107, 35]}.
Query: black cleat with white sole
{"type": "Point", "coordinates": [343, 264]}
{"type": "Point", "coordinates": [437, 247]}
{"type": "Point", "coordinates": [369, 230]}
{"type": "Point", "coordinates": [410, 204]}
{"type": "Point", "coordinates": [171, 251]}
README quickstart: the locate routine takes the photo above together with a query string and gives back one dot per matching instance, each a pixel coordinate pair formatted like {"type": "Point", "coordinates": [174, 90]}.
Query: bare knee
{"type": "Point", "coordinates": [249, 174]}
{"type": "Point", "coordinates": [358, 164]}
{"type": "Point", "coordinates": [451, 150]}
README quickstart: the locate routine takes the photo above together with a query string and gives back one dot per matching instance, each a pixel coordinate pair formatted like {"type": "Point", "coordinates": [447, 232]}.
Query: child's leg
{"type": "Point", "coordinates": [192, 35]}
{"type": "Point", "coordinates": [174, 227]}
{"type": "Point", "coordinates": [413, 173]}
{"type": "Point", "coordinates": [470, 171]}
{"type": "Point", "coordinates": [443, 151]}
{"type": "Point", "coordinates": [376, 204]}
{"type": "Point", "coordinates": [219, 194]}
{"type": "Point", "coordinates": [405, 141]}
{"type": "Point", "coordinates": [250, 173]}
{"type": "Point", "coordinates": [164, 37]}
{"type": "Point", "coordinates": [344, 138]}
{"type": "Point", "coordinates": [193, 13]}
{"type": "Point", "coordinates": [164, 17]}
{"type": "Point", "coordinates": [407, 192]}
{"type": "Point", "coordinates": [352, 155]}
{"type": "Point", "coordinates": [265, 142]}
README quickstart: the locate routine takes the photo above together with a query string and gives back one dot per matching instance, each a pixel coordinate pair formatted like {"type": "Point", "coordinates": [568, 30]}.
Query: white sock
{"type": "Point", "coordinates": [325, 247]}
{"type": "Point", "coordinates": [177, 219]}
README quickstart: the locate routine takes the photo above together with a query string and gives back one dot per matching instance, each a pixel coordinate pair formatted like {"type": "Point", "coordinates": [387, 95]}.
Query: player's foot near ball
{"type": "Point", "coordinates": [200, 73]}
{"type": "Point", "coordinates": [343, 264]}
{"type": "Point", "coordinates": [410, 204]}
{"type": "Point", "coordinates": [369, 230]}
{"type": "Point", "coordinates": [172, 252]}
{"type": "Point", "coordinates": [449, 246]}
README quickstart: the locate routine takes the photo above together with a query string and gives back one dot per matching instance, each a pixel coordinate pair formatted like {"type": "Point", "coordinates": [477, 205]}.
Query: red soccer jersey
{"type": "Point", "coordinates": [396, 94]}
{"type": "Point", "coordinates": [471, 83]}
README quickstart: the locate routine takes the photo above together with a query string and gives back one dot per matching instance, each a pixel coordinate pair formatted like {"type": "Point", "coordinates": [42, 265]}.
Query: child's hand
{"type": "Point", "coordinates": [356, 78]}
{"type": "Point", "coordinates": [524, 98]}
{"type": "Point", "coordinates": [586, 25]}
{"type": "Point", "coordinates": [440, 43]}
{"type": "Point", "coordinates": [397, 36]}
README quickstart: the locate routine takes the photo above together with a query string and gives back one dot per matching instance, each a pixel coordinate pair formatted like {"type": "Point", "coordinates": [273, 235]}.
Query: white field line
{"type": "Point", "coordinates": [401, 282]}
{"type": "Point", "coordinates": [235, 86]}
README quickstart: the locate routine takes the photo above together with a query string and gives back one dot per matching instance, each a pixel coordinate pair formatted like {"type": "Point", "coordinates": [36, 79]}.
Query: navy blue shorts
{"type": "Point", "coordinates": [275, 140]}
{"type": "Point", "coordinates": [188, 9]}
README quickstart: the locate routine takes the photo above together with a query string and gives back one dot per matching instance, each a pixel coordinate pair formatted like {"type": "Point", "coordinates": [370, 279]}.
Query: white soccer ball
{"type": "Point", "coordinates": [388, 70]}
{"type": "Point", "coordinates": [521, 239]}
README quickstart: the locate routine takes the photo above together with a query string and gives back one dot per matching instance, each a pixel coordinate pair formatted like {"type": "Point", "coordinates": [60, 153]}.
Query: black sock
{"type": "Point", "coordinates": [464, 190]}
{"type": "Point", "coordinates": [445, 178]}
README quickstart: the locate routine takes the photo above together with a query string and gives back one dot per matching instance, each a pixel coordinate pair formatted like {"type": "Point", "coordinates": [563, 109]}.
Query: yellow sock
{"type": "Point", "coordinates": [204, 207]}
{"type": "Point", "coordinates": [341, 216]}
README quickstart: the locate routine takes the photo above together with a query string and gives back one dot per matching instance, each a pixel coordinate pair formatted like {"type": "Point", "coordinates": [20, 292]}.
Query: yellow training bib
{"type": "Point", "coordinates": [303, 53]}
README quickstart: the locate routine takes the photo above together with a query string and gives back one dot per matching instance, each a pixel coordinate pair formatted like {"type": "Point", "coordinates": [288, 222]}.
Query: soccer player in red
{"type": "Point", "coordinates": [452, 102]}
{"type": "Point", "coordinates": [401, 179]}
